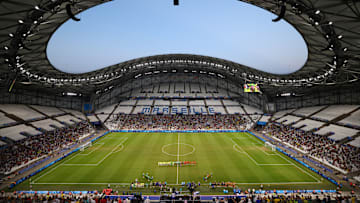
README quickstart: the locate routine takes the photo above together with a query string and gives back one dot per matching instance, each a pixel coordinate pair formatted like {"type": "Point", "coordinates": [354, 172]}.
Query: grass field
{"type": "Point", "coordinates": [120, 158]}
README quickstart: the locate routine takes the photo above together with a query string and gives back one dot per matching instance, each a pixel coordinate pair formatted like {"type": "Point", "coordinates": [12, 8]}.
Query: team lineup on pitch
{"type": "Point", "coordinates": [121, 158]}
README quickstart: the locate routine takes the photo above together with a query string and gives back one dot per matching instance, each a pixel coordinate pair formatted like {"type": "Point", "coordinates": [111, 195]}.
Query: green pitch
{"type": "Point", "coordinates": [120, 158]}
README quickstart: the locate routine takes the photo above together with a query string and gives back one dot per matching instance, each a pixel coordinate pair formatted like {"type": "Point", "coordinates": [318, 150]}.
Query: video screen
{"type": "Point", "coordinates": [251, 87]}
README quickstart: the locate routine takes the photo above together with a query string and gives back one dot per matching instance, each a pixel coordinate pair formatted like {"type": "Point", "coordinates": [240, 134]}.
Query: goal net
{"type": "Point", "coordinates": [84, 146]}
{"type": "Point", "coordinates": [271, 146]}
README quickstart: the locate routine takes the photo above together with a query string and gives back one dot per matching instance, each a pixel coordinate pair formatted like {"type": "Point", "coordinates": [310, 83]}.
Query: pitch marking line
{"type": "Point", "coordinates": [280, 155]}
{"type": "Point", "coordinates": [92, 150]}
{"type": "Point", "coordinates": [265, 152]}
{"type": "Point", "coordinates": [119, 150]}
{"type": "Point", "coordinates": [306, 172]}
{"type": "Point", "coordinates": [112, 151]}
{"type": "Point", "coordinates": [163, 149]}
{"type": "Point", "coordinates": [236, 148]}
{"type": "Point", "coordinates": [252, 159]}
{"type": "Point", "coordinates": [63, 164]}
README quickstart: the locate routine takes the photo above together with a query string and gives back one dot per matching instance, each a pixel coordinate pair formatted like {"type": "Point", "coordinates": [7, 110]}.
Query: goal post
{"type": "Point", "coordinates": [271, 146]}
{"type": "Point", "coordinates": [84, 146]}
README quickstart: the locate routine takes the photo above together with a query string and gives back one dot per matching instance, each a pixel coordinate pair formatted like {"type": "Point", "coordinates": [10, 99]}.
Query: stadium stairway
{"type": "Point", "coordinates": [306, 117]}
{"type": "Point", "coordinates": [337, 119]}
{"type": "Point", "coordinates": [343, 116]}
{"type": "Point", "coordinates": [346, 140]}
{"type": "Point", "coordinates": [111, 113]}
{"type": "Point", "coordinates": [18, 120]}
{"type": "Point", "coordinates": [309, 116]}
{"type": "Point", "coordinates": [102, 123]}
{"type": "Point", "coordinates": [133, 107]}
{"type": "Point", "coordinates": [275, 119]}
{"type": "Point", "coordinates": [247, 114]}
{"type": "Point", "coordinates": [7, 140]}
{"type": "Point", "coordinates": [223, 105]}
{"type": "Point", "coordinates": [34, 109]}
{"type": "Point", "coordinates": [13, 117]}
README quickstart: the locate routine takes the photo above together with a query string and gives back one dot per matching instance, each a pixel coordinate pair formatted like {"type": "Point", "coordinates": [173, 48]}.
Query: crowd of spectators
{"type": "Point", "coordinates": [343, 156]}
{"type": "Point", "coordinates": [235, 198]}
{"type": "Point", "coordinates": [178, 122]}
{"type": "Point", "coordinates": [30, 148]}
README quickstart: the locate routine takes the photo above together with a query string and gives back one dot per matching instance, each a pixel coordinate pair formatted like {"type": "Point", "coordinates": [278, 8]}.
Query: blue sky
{"type": "Point", "coordinates": [122, 30]}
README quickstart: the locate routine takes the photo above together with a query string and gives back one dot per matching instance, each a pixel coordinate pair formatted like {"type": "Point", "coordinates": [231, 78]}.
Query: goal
{"type": "Point", "coordinates": [269, 145]}
{"type": "Point", "coordinates": [84, 146]}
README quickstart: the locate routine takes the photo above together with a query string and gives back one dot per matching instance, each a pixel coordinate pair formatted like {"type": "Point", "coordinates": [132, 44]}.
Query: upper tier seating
{"type": "Point", "coordinates": [265, 118]}
{"type": "Point", "coordinates": [281, 113]}
{"type": "Point", "coordinates": [289, 119]}
{"type": "Point", "coordinates": [220, 94]}
{"type": "Point", "coordinates": [216, 110]}
{"type": "Point", "coordinates": [160, 110]}
{"type": "Point", "coordinates": [309, 124]}
{"type": "Point", "coordinates": [102, 117]}
{"type": "Point", "coordinates": [147, 89]}
{"type": "Point", "coordinates": [21, 111]}
{"type": "Point", "coordinates": [145, 102]}
{"type": "Point", "coordinates": [160, 102]}
{"type": "Point", "coordinates": [339, 132]}
{"type": "Point", "coordinates": [172, 88]}
{"type": "Point", "coordinates": [352, 120]}
{"type": "Point", "coordinates": [179, 109]}
{"type": "Point", "coordinates": [142, 109]}
{"type": "Point", "coordinates": [195, 88]}
{"type": "Point", "coordinates": [196, 103]}
{"type": "Point", "coordinates": [355, 143]}
{"type": "Point", "coordinates": [179, 87]}
{"type": "Point", "coordinates": [47, 124]}
{"type": "Point", "coordinates": [197, 110]}
{"type": "Point", "coordinates": [234, 110]}
{"type": "Point", "coordinates": [179, 102]}
{"type": "Point", "coordinates": [211, 89]}
{"type": "Point", "coordinates": [68, 119]}
{"type": "Point", "coordinates": [190, 95]}
{"type": "Point", "coordinates": [155, 94]}
{"type": "Point", "coordinates": [128, 103]}
{"type": "Point", "coordinates": [228, 102]}
{"type": "Point", "coordinates": [92, 118]}
{"type": "Point", "coordinates": [213, 102]}
{"type": "Point", "coordinates": [173, 95]}
{"type": "Point", "coordinates": [4, 120]}
{"type": "Point", "coordinates": [164, 88]}
{"type": "Point", "coordinates": [106, 110]}
{"type": "Point", "coordinates": [251, 110]}
{"type": "Point", "coordinates": [75, 113]}
{"type": "Point", "coordinates": [203, 95]}
{"type": "Point", "coordinates": [307, 111]}
{"type": "Point", "coordinates": [123, 110]}
{"type": "Point", "coordinates": [50, 111]}
{"type": "Point", "coordinates": [14, 132]}
{"type": "Point", "coordinates": [332, 112]}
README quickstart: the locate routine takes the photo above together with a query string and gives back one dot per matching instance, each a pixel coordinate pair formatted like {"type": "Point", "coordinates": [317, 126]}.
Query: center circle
{"type": "Point", "coordinates": [178, 149]}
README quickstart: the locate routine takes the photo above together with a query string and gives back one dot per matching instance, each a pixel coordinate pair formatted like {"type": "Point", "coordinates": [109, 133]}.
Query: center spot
{"type": "Point", "coordinates": [174, 149]}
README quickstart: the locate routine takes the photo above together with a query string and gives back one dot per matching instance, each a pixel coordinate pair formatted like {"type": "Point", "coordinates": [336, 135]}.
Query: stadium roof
{"type": "Point", "coordinates": [331, 30]}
